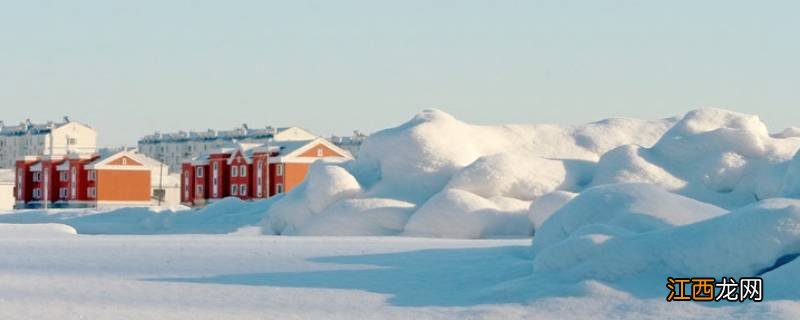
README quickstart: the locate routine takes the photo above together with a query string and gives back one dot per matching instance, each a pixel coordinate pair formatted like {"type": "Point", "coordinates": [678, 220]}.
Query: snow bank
{"type": "Point", "coordinates": [438, 164]}
{"type": "Point", "coordinates": [631, 207]}
{"type": "Point", "coordinates": [223, 216]}
{"type": "Point", "coordinates": [745, 242]}
{"type": "Point", "coordinates": [35, 230]}
{"type": "Point", "coordinates": [361, 217]}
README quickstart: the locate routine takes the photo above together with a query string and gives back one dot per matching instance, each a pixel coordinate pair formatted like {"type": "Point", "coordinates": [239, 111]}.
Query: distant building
{"type": "Point", "coordinates": [51, 138]}
{"type": "Point", "coordinates": [352, 143]}
{"type": "Point", "coordinates": [252, 171]}
{"type": "Point", "coordinates": [6, 189]}
{"type": "Point", "coordinates": [176, 148]}
{"type": "Point", "coordinates": [80, 180]}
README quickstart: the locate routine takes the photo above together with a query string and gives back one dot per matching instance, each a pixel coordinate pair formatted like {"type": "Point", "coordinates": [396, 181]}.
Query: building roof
{"type": "Point", "coordinates": [103, 160]}
{"type": "Point", "coordinates": [28, 127]}
{"type": "Point", "coordinates": [284, 148]}
{"type": "Point", "coordinates": [236, 134]}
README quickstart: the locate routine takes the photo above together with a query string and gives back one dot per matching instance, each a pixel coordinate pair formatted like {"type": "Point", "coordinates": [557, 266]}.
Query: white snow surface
{"type": "Point", "coordinates": [266, 277]}
{"type": "Point", "coordinates": [35, 230]}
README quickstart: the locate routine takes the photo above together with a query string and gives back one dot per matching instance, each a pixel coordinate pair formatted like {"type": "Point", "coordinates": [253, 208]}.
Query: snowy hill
{"type": "Point", "coordinates": [468, 181]}
{"type": "Point", "coordinates": [462, 180]}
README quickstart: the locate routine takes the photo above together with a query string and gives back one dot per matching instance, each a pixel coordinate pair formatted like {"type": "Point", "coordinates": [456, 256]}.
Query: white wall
{"type": "Point", "coordinates": [85, 139]}
{"type": "Point", "coordinates": [6, 196]}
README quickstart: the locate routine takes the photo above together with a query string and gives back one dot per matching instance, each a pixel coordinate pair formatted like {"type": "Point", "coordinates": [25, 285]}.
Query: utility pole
{"type": "Point", "coordinates": [266, 173]}
{"type": "Point", "coordinates": [46, 171]}
{"type": "Point", "coordinates": [161, 191]}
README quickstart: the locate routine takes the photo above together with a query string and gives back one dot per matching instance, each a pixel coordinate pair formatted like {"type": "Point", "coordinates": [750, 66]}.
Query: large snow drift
{"type": "Point", "coordinates": [455, 179]}
{"type": "Point", "coordinates": [472, 181]}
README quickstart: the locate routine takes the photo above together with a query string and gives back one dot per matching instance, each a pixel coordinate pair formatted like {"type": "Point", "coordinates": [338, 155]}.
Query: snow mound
{"type": "Point", "coordinates": [513, 176]}
{"type": "Point", "coordinates": [633, 207]}
{"type": "Point", "coordinates": [791, 132]}
{"type": "Point", "coordinates": [757, 239]}
{"type": "Point", "coordinates": [327, 183]}
{"type": "Point", "coordinates": [35, 230]}
{"type": "Point", "coordinates": [711, 155]}
{"type": "Point", "coordinates": [546, 205]}
{"type": "Point", "coordinates": [435, 161]}
{"type": "Point", "coordinates": [457, 213]}
{"type": "Point", "coordinates": [361, 217]}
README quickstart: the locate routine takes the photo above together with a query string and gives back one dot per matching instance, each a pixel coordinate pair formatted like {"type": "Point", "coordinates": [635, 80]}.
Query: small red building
{"type": "Point", "coordinates": [252, 171]}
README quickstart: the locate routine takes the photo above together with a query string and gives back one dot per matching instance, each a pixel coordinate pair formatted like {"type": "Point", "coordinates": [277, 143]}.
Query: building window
{"type": "Point", "coordinates": [124, 161]}
{"type": "Point", "coordinates": [243, 189]}
{"type": "Point", "coordinates": [279, 188]}
{"type": "Point", "coordinates": [37, 193]}
{"type": "Point", "coordinates": [63, 176]}
{"type": "Point", "coordinates": [234, 171]}
{"type": "Point", "coordinates": [279, 170]}
{"type": "Point", "coordinates": [243, 170]}
{"type": "Point", "coordinates": [199, 191]}
{"type": "Point", "coordinates": [37, 176]}
{"type": "Point", "coordinates": [214, 187]}
{"type": "Point", "coordinates": [92, 192]}
{"type": "Point", "coordinates": [62, 193]}
{"type": "Point", "coordinates": [91, 175]}
{"type": "Point", "coordinates": [72, 141]}
{"type": "Point", "coordinates": [319, 152]}
{"type": "Point", "coordinates": [20, 175]}
{"type": "Point", "coordinates": [199, 172]}
{"type": "Point", "coordinates": [74, 182]}
{"type": "Point", "coordinates": [234, 190]}
{"type": "Point", "coordinates": [186, 184]}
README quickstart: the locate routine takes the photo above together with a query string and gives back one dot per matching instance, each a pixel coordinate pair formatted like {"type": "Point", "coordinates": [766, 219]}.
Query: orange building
{"type": "Point", "coordinates": [121, 179]}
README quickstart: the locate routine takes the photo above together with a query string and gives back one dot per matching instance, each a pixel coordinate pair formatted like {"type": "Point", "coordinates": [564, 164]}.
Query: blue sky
{"type": "Point", "coordinates": [131, 67]}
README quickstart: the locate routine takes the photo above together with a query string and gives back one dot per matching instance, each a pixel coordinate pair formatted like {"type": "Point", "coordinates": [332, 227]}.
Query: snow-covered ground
{"type": "Point", "coordinates": [614, 208]}
{"type": "Point", "coordinates": [53, 274]}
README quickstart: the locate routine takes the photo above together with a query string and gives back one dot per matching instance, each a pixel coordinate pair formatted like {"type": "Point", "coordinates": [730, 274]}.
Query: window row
{"type": "Point", "coordinates": [236, 171]}
{"type": "Point", "coordinates": [63, 193]}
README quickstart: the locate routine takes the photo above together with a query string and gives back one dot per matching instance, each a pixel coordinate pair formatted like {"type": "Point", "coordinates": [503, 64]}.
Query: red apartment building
{"type": "Point", "coordinates": [252, 171]}
{"type": "Point", "coordinates": [119, 179]}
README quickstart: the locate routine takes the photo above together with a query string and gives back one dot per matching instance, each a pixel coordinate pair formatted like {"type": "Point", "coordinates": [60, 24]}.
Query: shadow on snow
{"type": "Point", "coordinates": [436, 277]}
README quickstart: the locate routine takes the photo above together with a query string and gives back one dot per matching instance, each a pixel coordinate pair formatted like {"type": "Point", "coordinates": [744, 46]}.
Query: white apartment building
{"type": "Point", "coordinates": [54, 138]}
{"type": "Point", "coordinates": [173, 149]}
